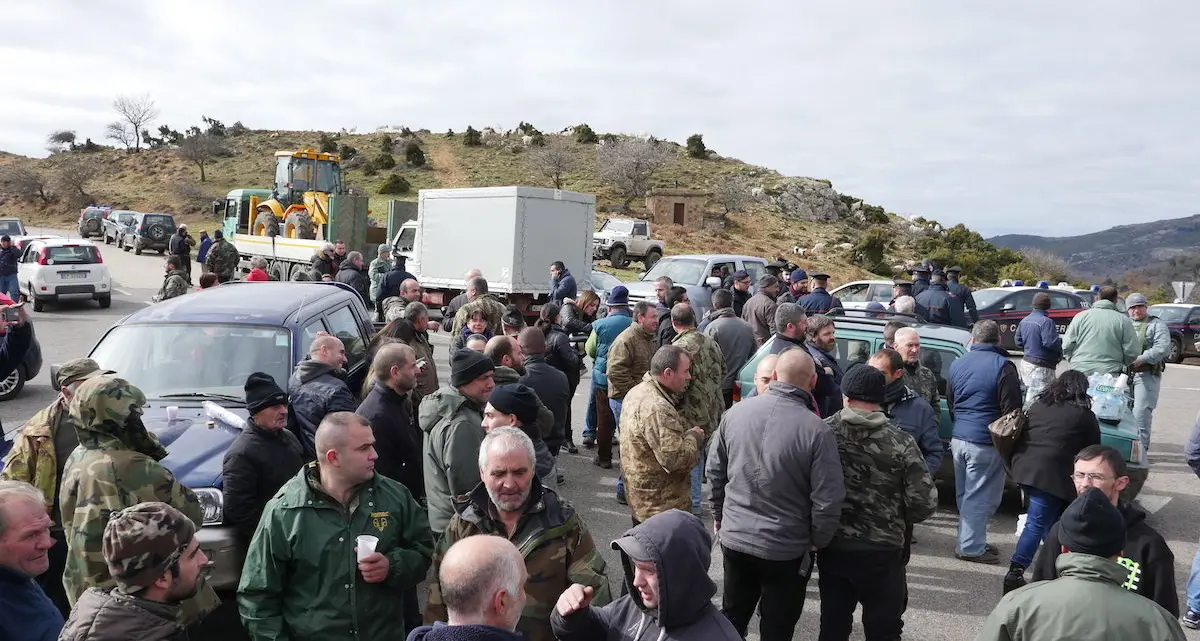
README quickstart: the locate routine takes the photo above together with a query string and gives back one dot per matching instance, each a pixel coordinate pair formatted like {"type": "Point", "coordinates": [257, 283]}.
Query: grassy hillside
{"type": "Point", "coordinates": [159, 180]}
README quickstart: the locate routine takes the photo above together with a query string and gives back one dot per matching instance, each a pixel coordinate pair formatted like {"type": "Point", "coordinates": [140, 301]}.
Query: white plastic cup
{"type": "Point", "coordinates": [172, 412]}
{"type": "Point", "coordinates": [366, 545]}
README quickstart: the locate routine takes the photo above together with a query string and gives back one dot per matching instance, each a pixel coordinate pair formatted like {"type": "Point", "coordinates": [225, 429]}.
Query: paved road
{"type": "Point", "coordinates": [949, 598]}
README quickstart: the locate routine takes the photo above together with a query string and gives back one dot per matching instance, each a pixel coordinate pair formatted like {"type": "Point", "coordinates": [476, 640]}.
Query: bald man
{"type": "Point", "coordinates": [318, 387]}
{"type": "Point", "coordinates": [764, 373]}
{"type": "Point", "coordinates": [482, 582]}
{"type": "Point", "coordinates": [308, 533]}
{"type": "Point", "coordinates": [777, 491]}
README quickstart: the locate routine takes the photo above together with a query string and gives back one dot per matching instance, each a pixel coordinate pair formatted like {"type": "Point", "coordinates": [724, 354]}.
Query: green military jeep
{"type": "Point", "coordinates": [859, 335]}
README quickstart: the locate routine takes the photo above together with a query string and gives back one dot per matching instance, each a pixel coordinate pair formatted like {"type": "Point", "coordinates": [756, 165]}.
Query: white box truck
{"type": "Point", "coordinates": [511, 234]}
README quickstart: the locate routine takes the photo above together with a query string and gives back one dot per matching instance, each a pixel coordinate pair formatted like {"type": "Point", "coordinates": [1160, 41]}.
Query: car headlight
{"type": "Point", "coordinates": [212, 503]}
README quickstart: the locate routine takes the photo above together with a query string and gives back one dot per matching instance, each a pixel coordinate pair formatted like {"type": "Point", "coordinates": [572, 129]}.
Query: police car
{"type": "Point", "coordinates": [1009, 305]}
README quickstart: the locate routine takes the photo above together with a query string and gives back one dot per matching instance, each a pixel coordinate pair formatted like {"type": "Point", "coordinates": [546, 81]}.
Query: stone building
{"type": "Point", "coordinates": [677, 206]}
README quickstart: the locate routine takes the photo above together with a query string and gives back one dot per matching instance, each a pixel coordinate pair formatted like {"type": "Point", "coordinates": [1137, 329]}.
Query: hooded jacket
{"type": "Point", "coordinates": [544, 461]}
{"type": "Point", "coordinates": [911, 413]}
{"type": "Point", "coordinates": [453, 428]}
{"type": "Point", "coordinates": [397, 437]}
{"type": "Point", "coordinates": [552, 539]}
{"type": "Point", "coordinates": [735, 338]}
{"type": "Point", "coordinates": [356, 278]}
{"type": "Point", "coordinates": [888, 485]}
{"type": "Point", "coordinates": [444, 632]}
{"type": "Point", "coordinates": [111, 615]}
{"type": "Point", "coordinates": [256, 465]}
{"type": "Point", "coordinates": [1149, 563]}
{"type": "Point", "coordinates": [1101, 340]}
{"type": "Point", "coordinates": [685, 611]}
{"type": "Point", "coordinates": [1085, 602]}
{"type": "Point", "coordinates": [315, 389]}
{"type": "Point", "coordinates": [26, 613]}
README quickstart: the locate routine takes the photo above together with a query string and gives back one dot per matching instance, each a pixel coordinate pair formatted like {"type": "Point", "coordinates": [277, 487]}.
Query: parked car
{"type": "Point", "coordinates": [195, 352]}
{"type": "Point", "coordinates": [1090, 296]}
{"type": "Point", "coordinates": [22, 241]}
{"type": "Point", "coordinates": [11, 227]}
{"type": "Point", "coordinates": [148, 231]}
{"type": "Point", "coordinates": [1009, 305]}
{"type": "Point", "coordinates": [29, 368]}
{"type": "Point", "coordinates": [602, 283]}
{"type": "Point", "coordinates": [859, 336]}
{"type": "Point", "coordinates": [91, 220]}
{"type": "Point", "coordinates": [113, 227]}
{"type": "Point", "coordinates": [699, 273]}
{"type": "Point", "coordinates": [1184, 322]}
{"type": "Point", "coordinates": [58, 269]}
{"type": "Point", "coordinates": [622, 239]}
{"type": "Point", "coordinates": [860, 293]}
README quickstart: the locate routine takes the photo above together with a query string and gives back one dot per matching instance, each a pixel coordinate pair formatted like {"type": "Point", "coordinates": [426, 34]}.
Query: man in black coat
{"type": "Point", "coordinates": [395, 278]}
{"type": "Point", "coordinates": [547, 381]}
{"type": "Point", "coordinates": [353, 272]}
{"type": "Point", "coordinates": [389, 409]}
{"type": "Point", "coordinates": [822, 346]}
{"type": "Point", "coordinates": [665, 334]}
{"type": "Point", "coordinates": [261, 459]}
{"type": "Point", "coordinates": [943, 307]}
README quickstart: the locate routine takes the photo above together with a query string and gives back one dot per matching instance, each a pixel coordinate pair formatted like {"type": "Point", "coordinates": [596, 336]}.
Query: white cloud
{"type": "Point", "coordinates": [1016, 117]}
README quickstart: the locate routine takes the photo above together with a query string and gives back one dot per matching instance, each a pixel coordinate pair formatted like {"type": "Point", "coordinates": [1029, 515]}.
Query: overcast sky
{"type": "Point", "coordinates": [1030, 117]}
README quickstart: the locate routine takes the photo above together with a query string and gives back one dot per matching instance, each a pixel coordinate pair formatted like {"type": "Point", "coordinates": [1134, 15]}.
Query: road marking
{"type": "Point", "coordinates": [1152, 503]}
{"type": "Point", "coordinates": [122, 292]}
{"type": "Point", "coordinates": [611, 512]}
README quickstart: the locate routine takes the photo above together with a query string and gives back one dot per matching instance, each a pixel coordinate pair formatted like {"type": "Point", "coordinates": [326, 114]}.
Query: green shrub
{"type": "Point", "coordinates": [472, 138]}
{"type": "Point", "coordinates": [538, 140]}
{"type": "Point", "coordinates": [414, 155]}
{"type": "Point", "coordinates": [395, 184]}
{"type": "Point", "coordinates": [326, 145]}
{"type": "Point", "coordinates": [385, 144]}
{"type": "Point", "coordinates": [585, 136]}
{"type": "Point", "coordinates": [369, 168]}
{"type": "Point", "coordinates": [385, 161]}
{"type": "Point", "coordinates": [347, 152]}
{"type": "Point", "coordinates": [695, 146]}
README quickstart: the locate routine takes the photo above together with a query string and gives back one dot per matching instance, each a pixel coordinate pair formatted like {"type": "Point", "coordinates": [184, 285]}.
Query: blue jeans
{"type": "Point", "coordinates": [589, 419]}
{"type": "Point", "coordinates": [1044, 510]}
{"type": "Point", "coordinates": [698, 478]}
{"type": "Point", "coordinates": [978, 489]}
{"type": "Point", "coordinates": [10, 286]}
{"type": "Point", "coordinates": [615, 406]}
{"type": "Point", "coordinates": [1193, 585]}
{"type": "Point", "coordinates": [1145, 399]}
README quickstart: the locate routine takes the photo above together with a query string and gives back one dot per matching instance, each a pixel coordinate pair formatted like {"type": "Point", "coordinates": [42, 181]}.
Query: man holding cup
{"type": "Point", "coordinates": [297, 582]}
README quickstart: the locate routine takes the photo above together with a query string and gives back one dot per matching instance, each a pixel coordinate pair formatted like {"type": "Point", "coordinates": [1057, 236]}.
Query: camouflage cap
{"type": "Point", "coordinates": [143, 541]}
{"type": "Point", "coordinates": [105, 400]}
{"type": "Point", "coordinates": [78, 370]}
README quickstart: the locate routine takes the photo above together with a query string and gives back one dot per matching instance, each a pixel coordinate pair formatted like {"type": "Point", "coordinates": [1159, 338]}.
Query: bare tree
{"type": "Point", "coordinates": [60, 140]}
{"type": "Point", "coordinates": [138, 111]}
{"type": "Point", "coordinates": [629, 164]}
{"type": "Point", "coordinates": [200, 150]}
{"type": "Point", "coordinates": [121, 133]}
{"type": "Point", "coordinates": [74, 176]}
{"type": "Point", "coordinates": [1046, 265]}
{"type": "Point", "coordinates": [554, 161]}
{"type": "Point", "coordinates": [27, 183]}
{"type": "Point", "coordinates": [733, 193]}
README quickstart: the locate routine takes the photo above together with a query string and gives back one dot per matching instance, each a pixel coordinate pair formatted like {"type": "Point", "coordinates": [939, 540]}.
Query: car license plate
{"type": "Point", "coordinates": [73, 275]}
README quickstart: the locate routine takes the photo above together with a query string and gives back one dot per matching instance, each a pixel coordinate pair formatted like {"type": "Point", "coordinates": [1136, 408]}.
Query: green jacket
{"type": "Point", "coordinates": [1085, 602]}
{"type": "Point", "coordinates": [301, 579]}
{"type": "Point", "coordinates": [1101, 340]}
{"type": "Point", "coordinates": [556, 546]}
{"type": "Point", "coordinates": [702, 403]}
{"type": "Point", "coordinates": [453, 433]}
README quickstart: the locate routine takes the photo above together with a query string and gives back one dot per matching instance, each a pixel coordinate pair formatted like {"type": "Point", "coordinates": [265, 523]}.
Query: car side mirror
{"type": "Point", "coordinates": [1008, 307]}
{"type": "Point", "coordinates": [713, 282]}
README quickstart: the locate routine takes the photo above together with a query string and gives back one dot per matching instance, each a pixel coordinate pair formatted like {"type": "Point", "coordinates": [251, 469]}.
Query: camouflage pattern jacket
{"type": "Point", "coordinates": [493, 310]}
{"type": "Point", "coordinates": [556, 545]}
{"type": "Point", "coordinates": [888, 485]}
{"type": "Point", "coordinates": [222, 259]}
{"type": "Point", "coordinates": [628, 360]}
{"type": "Point", "coordinates": [377, 272]}
{"type": "Point", "coordinates": [33, 458]}
{"type": "Point", "coordinates": [657, 451]}
{"type": "Point", "coordinates": [923, 381]}
{"type": "Point", "coordinates": [702, 403]}
{"type": "Point", "coordinates": [175, 283]}
{"type": "Point", "coordinates": [115, 466]}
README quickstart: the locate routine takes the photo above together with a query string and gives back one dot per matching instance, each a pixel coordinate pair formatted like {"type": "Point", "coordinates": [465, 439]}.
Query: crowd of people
{"type": "Point", "coordinates": [347, 500]}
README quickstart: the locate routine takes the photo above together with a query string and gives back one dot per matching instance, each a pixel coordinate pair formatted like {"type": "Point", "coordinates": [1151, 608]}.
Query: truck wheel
{"type": "Point", "coordinates": [279, 270]}
{"type": "Point", "coordinates": [299, 225]}
{"type": "Point", "coordinates": [295, 272]}
{"type": "Point", "coordinates": [266, 224]}
{"type": "Point", "coordinates": [105, 301]}
{"type": "Point", "coordinates": [1176, 355]}
{"type": "Point", "coordinates": [137, 246]}
{"type": "Point", "coordinates": [11, 386]}
{"type": "Point", "coordinates": [651, 258]}
{"type": "Point", "coordinates": [617, 258]}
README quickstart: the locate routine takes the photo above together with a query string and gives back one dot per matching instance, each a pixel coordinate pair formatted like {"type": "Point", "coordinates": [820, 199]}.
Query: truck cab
{"type": "Point", "coordinates": [700, 274]}
{"type": "Point", "coordinates": [622, 239]}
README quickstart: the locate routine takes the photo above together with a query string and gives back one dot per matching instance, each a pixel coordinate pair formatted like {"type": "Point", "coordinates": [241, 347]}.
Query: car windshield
{"type": "Point", "coordinates": [617, 226]}
{"type": "Point", "coordinates": [681, 271]}
{"type": "Point", "coordinates": [10, 228]}
{"type": "Point", "coordinates": [72, 255]}
{"type": "Point", "coordinates": [604, 280]}
{"type": "Point", "coordinates": [195, 358]}
{"type": "Point", "coordinates": [986, 297]}
{"type": "Point", "coordinates": [1169, 315]}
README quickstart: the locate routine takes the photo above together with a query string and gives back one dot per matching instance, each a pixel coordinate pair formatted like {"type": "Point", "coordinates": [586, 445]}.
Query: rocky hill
{"type": "Point", "coordinates": [1113, 252]}
{"type": "Point", "coordinates": [752, 209]}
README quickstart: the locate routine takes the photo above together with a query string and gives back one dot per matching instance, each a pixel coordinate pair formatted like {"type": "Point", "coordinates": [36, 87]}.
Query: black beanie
{"type": "Point", "coordinates": [467, 365]}
{"type": "Point", "coordinates": [1091, 524]}
{"type": "Point", "coordinates": [262, 392]}
{"type": "Point", "coordinates": [518, 400]}
{"type": "Point", "coordinates": [865, 384]}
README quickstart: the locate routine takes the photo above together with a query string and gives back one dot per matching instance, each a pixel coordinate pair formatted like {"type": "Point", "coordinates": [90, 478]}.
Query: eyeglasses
{"type": "Point", "coordinates": [1095, 478]}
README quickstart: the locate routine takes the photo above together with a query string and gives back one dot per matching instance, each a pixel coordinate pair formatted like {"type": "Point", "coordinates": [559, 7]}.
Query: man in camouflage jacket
{"type": "Point", "coordinates": [702, 402]}
{"type": "Point", "coordinates": [175, 283]}
{"type": "Point", "coordinates": [659, 450]}
{"type": "Point", "coordinates": [480, 300]}
{"type": "Point", "coordinates": [888, 487]}
{"type": "Point", "coordinates": [917, 376]}
{"type": "Point", "coordinates": [222, 258]}
{"type": "Point", "coordinates": [551, 536]}
{"type": "Point", "coordinates": [115, 466]}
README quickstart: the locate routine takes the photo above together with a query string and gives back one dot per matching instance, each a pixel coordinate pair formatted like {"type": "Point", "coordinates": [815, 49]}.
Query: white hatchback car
{"type": "Point", "coordinates": [860, 293]}
{"type": "Point", "coordinates": [59, 269]}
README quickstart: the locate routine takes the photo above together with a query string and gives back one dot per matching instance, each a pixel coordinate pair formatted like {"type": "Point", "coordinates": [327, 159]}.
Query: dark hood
{"type": "Point", "coordinates": [441, 632]}
{"type": "Point", "coordinates": [684, 589]}
{"type": "Point", "coordinates": [347, 264]}
{"type": "Point", "coordinates": [308, 369]}
{"type": "Point", "coordinates": [1133, 516]}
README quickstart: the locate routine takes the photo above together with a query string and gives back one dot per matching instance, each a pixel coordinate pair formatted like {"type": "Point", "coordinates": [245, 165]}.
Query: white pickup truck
{"type": "Point", "coordinates": [622, 239]}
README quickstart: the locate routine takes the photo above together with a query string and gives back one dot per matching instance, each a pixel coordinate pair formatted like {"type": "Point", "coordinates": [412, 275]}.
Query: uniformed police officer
{"type": "Point", "coordinates": [904, 287]}
{"type": "Point", "coordinates": [819, 300]}
{"type": "Point", "coordinates": [944, 308]}
{"type": "Point", "coordinates": [962, 292]}
{"type": "Point", "coordinates": [921, 278]}
{"type": "Point", "coordinates": [776, 268]}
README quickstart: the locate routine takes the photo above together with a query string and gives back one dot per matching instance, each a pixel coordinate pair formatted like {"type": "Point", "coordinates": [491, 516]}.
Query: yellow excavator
{"type": "Point", "coordinates": [299, 203]}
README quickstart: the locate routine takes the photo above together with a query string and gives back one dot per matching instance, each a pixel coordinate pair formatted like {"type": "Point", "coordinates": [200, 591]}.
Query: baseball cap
{"type": "Point", "coordinates": [633, 548]}
{"type": "Point", "coordinates": [1133, 300]}
{"type": "Point", "coordinates": [79, 369]}
{"type": "Point", "coordinates": [741, 274]}
{"type": "Point", "coordinates": [797, 275]}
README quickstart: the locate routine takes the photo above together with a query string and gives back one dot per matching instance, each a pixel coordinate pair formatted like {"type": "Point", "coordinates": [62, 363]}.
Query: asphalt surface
{"type": "Point", "coordinates": [949, 599]}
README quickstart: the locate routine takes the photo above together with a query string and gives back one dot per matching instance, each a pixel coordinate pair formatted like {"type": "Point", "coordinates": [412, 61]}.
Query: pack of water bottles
{"type": "Point", "coordinates": [1109, 396]}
